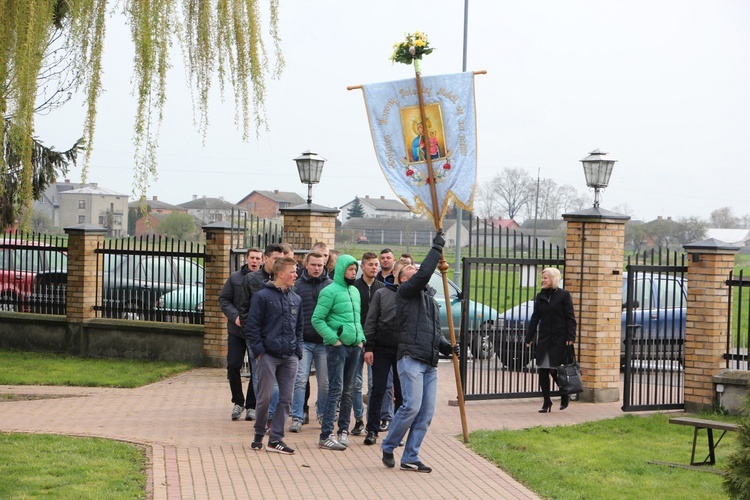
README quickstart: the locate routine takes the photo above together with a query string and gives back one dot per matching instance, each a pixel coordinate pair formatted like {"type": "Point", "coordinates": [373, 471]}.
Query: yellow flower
{"type": "Point", "coordinates": [420, 43]}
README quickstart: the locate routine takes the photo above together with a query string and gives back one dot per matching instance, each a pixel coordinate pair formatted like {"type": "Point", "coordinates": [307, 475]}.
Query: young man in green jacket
{"type": "Point", "coordinates": [337, 320]}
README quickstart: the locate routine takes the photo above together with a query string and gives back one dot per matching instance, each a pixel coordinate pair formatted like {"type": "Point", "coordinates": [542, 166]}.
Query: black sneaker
{"type": "Point", "coordinates": [388, 460]}
{"type": "Point", "coordinates": [372, 438]}
{"type": "Point", "coordinates": [280, 447]}
{"type": "Point", "coordinates": [257, 443]}
{"type": "Point", "coordinates": [359, 426]}
{"type": "Point", "coordinates": [415, 466]}
{"type": "Point", "coordinates": [384, 425]}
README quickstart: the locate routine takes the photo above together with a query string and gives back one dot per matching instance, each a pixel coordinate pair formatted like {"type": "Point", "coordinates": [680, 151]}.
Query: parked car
{"type": "Point", "coordinates": [362, 240]}
{"type": "Point", "coordinates": [482, 318]}
{"type": "Point", "coordinates": [658, 316]}
{"type": "Point", "coordinates": [134, 283]}
{"type": "Point", "coordinates": [20, 262]}
{"type": "Point", "coordinates": [182, 305]}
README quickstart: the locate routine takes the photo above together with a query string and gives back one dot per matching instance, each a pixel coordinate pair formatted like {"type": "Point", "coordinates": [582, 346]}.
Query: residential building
{"type": "Point", "coordinates": [49, 202]}
{"type": "Point", "coordinates": [377, 208]}
{"type": "Point", "coordinates": [210, 210]}
{"type": "Point", "coordinates": [389, 231]}
{"type": "Point", "coordinates": [266, 204]}
{"type": "Point", "coordinates": [148, 224]}
{"type": "Point", "coordinates": [91, 204]}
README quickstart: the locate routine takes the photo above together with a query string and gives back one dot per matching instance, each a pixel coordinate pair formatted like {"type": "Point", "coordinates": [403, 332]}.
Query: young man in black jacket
{"type": "Point", "coordinates": [420, 341]}
{"type": "Point", "coordinates": [229, 300]}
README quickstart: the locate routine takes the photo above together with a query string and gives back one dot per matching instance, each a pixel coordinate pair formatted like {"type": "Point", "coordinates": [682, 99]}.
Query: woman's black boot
{"type": "Point", "coordinates": [564, 400]}
{"type": "Point", "coordinates": [544, 385]}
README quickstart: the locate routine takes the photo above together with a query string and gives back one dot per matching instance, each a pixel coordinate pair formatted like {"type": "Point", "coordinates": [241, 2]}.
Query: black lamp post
{"type": "Point", "coordinates": [310, 167]}
{"type": "Point", "coordinates": [597, 168]}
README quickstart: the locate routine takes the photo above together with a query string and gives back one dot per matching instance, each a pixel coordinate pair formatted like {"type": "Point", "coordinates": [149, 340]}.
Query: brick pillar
{"type": "Point", "coordinates": [218, 247]}
{"type": "Point", "coordinates": [593, 275]}
{"type": "Point", "coordinates": [312, 221]}
{"type": "Point", "coordinates": [82, 278]}
{"type": "Point", "coordinates": [709, 264]}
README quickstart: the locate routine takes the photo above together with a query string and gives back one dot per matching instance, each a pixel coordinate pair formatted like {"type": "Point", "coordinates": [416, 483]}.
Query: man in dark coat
{"type": "Point", "coordinates": [420, 342]}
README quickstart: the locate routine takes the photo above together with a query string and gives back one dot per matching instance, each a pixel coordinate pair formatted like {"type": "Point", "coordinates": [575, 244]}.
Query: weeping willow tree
{"type": "Point", "coordinates": [222, 40]}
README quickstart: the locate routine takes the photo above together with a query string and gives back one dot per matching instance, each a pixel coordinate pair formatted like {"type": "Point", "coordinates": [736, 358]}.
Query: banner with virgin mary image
{"type": "Point", "coordinates": [448, 137]}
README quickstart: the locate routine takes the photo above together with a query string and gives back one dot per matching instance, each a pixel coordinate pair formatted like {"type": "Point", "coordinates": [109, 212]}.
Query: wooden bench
{"type": "Point", "coordinates": [709, 425]}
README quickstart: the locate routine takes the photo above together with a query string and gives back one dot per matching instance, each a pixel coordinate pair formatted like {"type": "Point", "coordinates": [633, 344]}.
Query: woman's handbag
{"type": "Point", "coordinates": [569, 375]}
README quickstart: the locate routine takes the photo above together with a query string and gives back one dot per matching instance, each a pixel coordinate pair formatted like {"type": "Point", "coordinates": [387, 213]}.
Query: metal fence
{"type": "Point", "coordinates": [500, 280]}
{"type": "Point", "coordinates": [33, 273]}
{"type": "Point", "coordinates": [654, 318]}
{"type": "Point", "coordinates": [151, 278]}
{"type": "Point", "coordinates": [738, 314]}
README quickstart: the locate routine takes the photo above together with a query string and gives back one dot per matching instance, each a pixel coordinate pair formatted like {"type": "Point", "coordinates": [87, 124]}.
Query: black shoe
{"type": "Point", "coordinates": [416, 467]}
{"type": "Point", "coordinates": [388, 460]}
{"type": "Point", "coordinates": [306, 418]}
{"type": "Point", "coordinates": [279, 447]}
{"type": "Point", "coordinates": [372, 438]}
{"type": "Point", "coordinates": [257, 443]}
{"type": "Point", "coordinates": [547, 407]}
{"type": "Point", "coordinates": [358, 428]}
{"type": "Point", "coordinates": [564, 400]}
{"type": "Point", "coordinates": [384, 425]}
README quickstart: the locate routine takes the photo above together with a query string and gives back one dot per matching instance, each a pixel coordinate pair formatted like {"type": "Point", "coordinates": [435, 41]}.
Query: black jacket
{"type": "Point", "coordinates": [274, 325]}
{"type": "Point", "coordinates": [554, 314]}
{"type": "Point", "coordinates": [380, 325]}
{"type": "Point", "coordinates": [366, 293]}
{"type": "Point", "coordinates": [230, 299]}
{"type": "Point", "coordinates": [418, 317]}
{"type": "Point", "coordinates": [252, 283]}
{"type": "Point", "coordinates": [308, 289]}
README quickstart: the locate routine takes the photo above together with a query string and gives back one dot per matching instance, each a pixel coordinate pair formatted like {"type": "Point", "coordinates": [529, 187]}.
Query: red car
{"type": "Point", "coordinates": [20, 262]}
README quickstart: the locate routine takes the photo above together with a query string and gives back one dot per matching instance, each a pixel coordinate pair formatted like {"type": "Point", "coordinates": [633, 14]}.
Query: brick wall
{"type": "Point", "coordinates": [218, 245]}
{"type": "Point", "coordinates": [261, 206]}
{"type": "Point", "coordinates": [82, 269]}
{"type": "Point", "coordinates": [318, 225]}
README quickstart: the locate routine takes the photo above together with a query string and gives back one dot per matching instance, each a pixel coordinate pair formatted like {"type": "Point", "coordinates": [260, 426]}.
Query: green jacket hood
{"type": "Point", "coordinates": [344, 261]}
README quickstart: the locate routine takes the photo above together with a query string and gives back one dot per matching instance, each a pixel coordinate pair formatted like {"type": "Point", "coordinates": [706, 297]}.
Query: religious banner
{"type": "Point", "coordinates": [447, 137]}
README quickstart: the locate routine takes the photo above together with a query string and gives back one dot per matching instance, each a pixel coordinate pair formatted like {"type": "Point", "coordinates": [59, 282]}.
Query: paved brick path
{"type": "Point", "coordinates": [196, 451]}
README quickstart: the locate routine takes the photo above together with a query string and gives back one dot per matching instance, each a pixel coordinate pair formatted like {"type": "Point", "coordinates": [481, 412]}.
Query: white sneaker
{"type": "Point", "coordinates": [344, 438]}
{"type": "Point", "coordinates": [331, 444]}
{"type": "Point", "coordinates": [236, 412]}
{"type": "Point", "coordinates": [296, 425]}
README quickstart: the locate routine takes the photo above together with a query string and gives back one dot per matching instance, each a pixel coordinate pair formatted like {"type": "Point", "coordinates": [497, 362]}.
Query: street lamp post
{"type": "Point", "coordinates": [597, 168]}
{"type": "Point", "coordinates": [310, 167]}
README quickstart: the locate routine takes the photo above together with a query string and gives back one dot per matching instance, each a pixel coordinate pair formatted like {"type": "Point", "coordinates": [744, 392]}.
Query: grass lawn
{"type": "Point", "coordinates": [30, 368]}
{"type": "Point", "coordinates": [39, 465]}
{"type": "Point", "coordinates": [608, 458]}
{"type": "Point", "coordinates": [60, 467]}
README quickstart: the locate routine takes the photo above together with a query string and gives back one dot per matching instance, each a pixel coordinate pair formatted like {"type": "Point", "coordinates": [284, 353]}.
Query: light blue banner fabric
{"type": "Point", "coordinates": [396, 127]}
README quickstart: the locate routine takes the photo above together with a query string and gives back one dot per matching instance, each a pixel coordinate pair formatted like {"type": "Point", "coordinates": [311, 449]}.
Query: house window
{"type": "Point", "coordinates": [81, 219]}
{"type": "Point", "coordinates": [101, 220]}
{"type": "Point", "coordinates": [81, 203]}
{"type": "Point", "coordinates": [118, 220]}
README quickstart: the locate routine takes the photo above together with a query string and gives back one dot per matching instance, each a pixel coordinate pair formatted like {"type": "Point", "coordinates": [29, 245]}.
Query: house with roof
{"type": "Point", "coordinates": [389, 231]}
{"type": "Point", "coordinates": [49, 202]}
{"type": "Point", "coordinates": [210, 210]}
{"type": "Point", "coordinates": [148, 223]}
{"type": "Point", "coordinates": [91, 204]}
{"type": "Point", "coordinates": [266, 204]}
{"type": "Point", "coordinates": [550, 231]}
{"type": "Point", "coordinates": [377, 208]}
{"type": "Point", "coordinates": [734, 237]}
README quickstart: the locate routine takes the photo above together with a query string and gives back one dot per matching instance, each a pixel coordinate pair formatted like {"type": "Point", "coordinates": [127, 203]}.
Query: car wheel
{"type": "Point", "coordinates": [132, 314]}
{"type": "Point", "coordinates": [482, 344]}
{"type": "Point", "coordinates": [8, 303]}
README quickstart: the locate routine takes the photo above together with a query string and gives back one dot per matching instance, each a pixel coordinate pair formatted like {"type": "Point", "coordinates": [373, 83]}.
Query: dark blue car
{"type": "Point", "coordinates": [655, 316]}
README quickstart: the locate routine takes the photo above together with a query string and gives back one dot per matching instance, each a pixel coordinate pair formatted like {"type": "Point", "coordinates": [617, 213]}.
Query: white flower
{"type": "Point", "coordinates": [412, 50]}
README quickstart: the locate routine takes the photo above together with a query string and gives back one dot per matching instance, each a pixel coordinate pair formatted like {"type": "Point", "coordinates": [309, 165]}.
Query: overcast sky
{"type": "Point", "coordinates": [662, 85]}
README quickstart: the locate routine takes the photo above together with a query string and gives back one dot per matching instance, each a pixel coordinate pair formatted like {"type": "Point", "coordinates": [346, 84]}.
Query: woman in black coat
{"type": "Point", "coordinates": [554, 315]}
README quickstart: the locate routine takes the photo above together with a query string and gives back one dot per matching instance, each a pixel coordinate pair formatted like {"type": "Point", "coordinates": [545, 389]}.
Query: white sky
{"type": "Point", "coordinates": [662, 85]}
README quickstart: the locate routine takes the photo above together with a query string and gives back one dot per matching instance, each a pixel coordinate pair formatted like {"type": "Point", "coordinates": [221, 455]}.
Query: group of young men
{"type": "Point", "coordinates": [287, 317]}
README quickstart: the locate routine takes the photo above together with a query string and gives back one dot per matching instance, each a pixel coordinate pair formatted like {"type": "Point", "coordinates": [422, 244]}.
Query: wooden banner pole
{"type": "Point", "coordinates": [443, 265]}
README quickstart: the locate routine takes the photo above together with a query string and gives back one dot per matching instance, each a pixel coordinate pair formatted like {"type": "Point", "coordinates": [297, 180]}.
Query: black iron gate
{"type": "Point", "coordinates": [500, 279]}
{"type": "Point", "coordinates": [653, 338]}
{"type": "Point", "coordinates": [738, 314]}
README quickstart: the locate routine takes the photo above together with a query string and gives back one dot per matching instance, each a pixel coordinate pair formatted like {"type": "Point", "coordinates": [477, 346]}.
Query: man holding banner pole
{"type": "Point", "coordinates": [440, 112]}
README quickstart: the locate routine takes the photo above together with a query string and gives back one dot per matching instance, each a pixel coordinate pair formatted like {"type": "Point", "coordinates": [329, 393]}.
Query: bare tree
{"type": "Point", "coordinates": [724, 218]}
{"type": "Point", "coordinates": [513, 190]}
{"type": "Point", "coordinates": [690, 230]}
{"type": "Point", "coordinates": [486, 204]}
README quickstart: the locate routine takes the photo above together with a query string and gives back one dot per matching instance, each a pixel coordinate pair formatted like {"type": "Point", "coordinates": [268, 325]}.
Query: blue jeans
{"type": "Point", "coordinates": [343, 362]}
{"type": "Point", "coordinates": [317, 352]}
{"type": "Point", "coordinates": [357, 403]}
{"type": "Point", "coordinates": [419, 383]}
